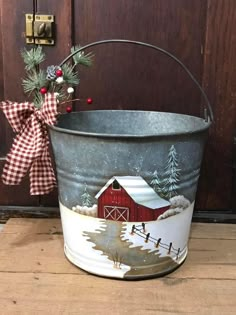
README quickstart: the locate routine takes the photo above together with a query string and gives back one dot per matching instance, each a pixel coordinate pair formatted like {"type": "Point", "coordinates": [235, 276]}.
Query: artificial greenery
{"type": "Point", "coordinates": [81, 58]}
{"type": "Point", "coordinates": [37, 79]}
{"type": "Point", "coordinates": [69, 75]}
{"type": "Point", "coordinates": [32, 58]}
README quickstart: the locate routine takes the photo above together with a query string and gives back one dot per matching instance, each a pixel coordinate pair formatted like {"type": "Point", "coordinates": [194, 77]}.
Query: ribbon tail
{"type": "Point", "coordinates": [42, 176]}
{"type": "Point", "coordinates": [18, 162]}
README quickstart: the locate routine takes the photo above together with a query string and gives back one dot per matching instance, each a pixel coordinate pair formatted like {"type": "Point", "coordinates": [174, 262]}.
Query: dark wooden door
{"type": "Point", "coordinates": [11, 71]}
{"type": "Point", "coordinates": [201, 33]}
{"type": "Point", "coordinates": [16, 200]}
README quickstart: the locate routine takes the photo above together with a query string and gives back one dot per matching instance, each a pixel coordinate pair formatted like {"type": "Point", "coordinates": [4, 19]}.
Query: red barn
{"type": "Point", "coordinates": [129, 198]}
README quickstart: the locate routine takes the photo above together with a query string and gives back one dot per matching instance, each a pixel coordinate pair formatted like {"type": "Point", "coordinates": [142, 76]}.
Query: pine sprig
{"type": "Point", "coordinates": [38, 99]}
{"type": "Point", "coordinates": [69, 75]}
{"type": "Point", "coordinates": [35, 81]}
{"type": "Point", "coordinates": [81, 58]}
{"type": "Point", "coordinates": [32, 58]}
{"type": "Point", "coordinates": [39, 82]}
{"type": "Point", "coordinates": [32, 85]}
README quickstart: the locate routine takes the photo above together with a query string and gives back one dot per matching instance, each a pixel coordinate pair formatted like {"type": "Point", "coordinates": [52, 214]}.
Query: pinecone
{"type": "Point", "coordinates": [51, 72]}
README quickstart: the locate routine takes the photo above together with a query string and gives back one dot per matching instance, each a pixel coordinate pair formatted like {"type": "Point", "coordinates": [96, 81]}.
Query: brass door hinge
{"type": "Point", "coordinates": [39, 29]}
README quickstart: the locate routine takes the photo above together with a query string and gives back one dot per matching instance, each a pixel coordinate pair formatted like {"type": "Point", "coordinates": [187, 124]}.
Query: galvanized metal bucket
{"type": "Point", "coordinates": [127, 183]}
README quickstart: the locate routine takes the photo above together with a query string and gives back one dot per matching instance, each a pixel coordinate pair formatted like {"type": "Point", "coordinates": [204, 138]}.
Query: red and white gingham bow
{"type": "Point", "coordinates": [30, 149]}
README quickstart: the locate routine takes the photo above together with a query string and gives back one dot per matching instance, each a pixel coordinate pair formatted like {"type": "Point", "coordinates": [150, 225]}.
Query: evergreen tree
{"type": "Point", "coordinates": [86, 199]}
{"type": "Point", "coordinates": [172, 174]}
{"type": "Point", "coordinates": [156, 183]}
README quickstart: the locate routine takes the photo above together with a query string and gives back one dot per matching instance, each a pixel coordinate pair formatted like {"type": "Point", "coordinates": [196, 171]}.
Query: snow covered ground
{"type": "Point", "coordinates": [174, 229]}
{"type": "Point", "coordinates": [80, 251]}
{"type": "Point", "coordinates": [85, 210]}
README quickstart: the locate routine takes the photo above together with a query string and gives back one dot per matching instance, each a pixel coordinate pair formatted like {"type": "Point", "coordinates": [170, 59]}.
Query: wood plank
{"type": "Point", "coordinates": [213, 231]}
{"type": "Point", "coordinates": [35, 293]}
{"type": "Point", "coordinates": [219, 81]}
{"type": "Point", "coordinates": [40, 241]}
{"type": "Point", "coordinates": [7, 212]}
{"type": "Point", "coordinates": [16, 194]}
{"type": "Point", "coordinates": [13, 37]}
{"type": "Point", "coordinates": [2, 117]}
{"type": "Point", "coordinates": [32, 260]}
{"type": "Point", "coordinates": [44, 254]}
{"type": "Point", "coordinates": [62, 10]}
{"type": "Point", "coordinates": [198, 230]}
{"type": "Point", "coordinates": [130, 77]}
{"type": "Point", "coordinates": [3, 123]}
{"type": "Point", "coordinates": [13, 40]}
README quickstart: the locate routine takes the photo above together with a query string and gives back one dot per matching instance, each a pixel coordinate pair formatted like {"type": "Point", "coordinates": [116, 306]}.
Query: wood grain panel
{"type": "Point", "coordinates": [211, 250]}
{"type": "Point", "coordinates": [35, 293]}
{"type": "Point", "coordinates": [219, 80]}
{"type": "Point", "coordinates": [199, 32]}
{"type": "Point", "coordinates": [3, 144]}
{"type": "Point", "coordinates": [13, 40]}
{"type": "Point", "coordinates": [137, 78]}
{"type": "Point", "coordinates": [2, 118]}
{"type": "Point", "coordinates": [17, 194]}
{"type": "Point", "coordinates": [62, 10]}
{"type": "Point", "coordinates": [206, 282]}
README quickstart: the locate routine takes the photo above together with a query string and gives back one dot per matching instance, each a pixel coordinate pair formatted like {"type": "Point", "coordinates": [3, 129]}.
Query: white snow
{"type": "Point", "coordinates": [174, 229]}
{"type": "Point", "coordinates": [80, 251]}
{"type": "Point", "coordinates": [179, 202]}
{"type": "Point", "coordinates": [91, 211]}
{"type": "Point", "coordinates": [169, 213]}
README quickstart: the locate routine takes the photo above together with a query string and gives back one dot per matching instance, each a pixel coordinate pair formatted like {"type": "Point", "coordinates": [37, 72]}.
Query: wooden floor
{"type": "Point", "coordinates": [36, 278]}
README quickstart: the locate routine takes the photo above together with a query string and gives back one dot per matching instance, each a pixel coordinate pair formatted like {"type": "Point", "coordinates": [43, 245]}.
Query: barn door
{"type": "Point", "coordinates": [116, 213]}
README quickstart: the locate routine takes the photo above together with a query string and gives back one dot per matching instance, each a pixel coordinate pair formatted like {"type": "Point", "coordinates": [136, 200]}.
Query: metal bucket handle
{"type": "Point", "coordinates": [207, 110]}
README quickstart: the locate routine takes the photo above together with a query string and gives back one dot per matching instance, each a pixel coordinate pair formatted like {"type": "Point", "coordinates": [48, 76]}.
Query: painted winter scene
{"type": "Point", "coordinates": [133, 227]}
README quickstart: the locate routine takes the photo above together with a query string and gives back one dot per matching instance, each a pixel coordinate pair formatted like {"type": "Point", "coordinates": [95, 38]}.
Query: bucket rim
{"type": "Point", "coordinates": [114, 135]}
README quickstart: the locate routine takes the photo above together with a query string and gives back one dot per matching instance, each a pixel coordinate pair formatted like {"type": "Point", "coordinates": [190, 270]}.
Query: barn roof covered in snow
{"type": "Point", "coordinates": [139, 190]}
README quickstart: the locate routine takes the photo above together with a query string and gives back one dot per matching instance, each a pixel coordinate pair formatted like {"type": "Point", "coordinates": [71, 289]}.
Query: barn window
{"type": "Point", "coordinates": [115, 185]}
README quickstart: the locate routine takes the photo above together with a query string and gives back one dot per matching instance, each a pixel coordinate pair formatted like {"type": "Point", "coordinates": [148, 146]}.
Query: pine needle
{"type": "Point", "coordinates": [81, 58]}
{"type": "Point", "coordinates": [32, 58]}
{"type": "Point", "coordinates": [35, 81]}
{"type": "Point", "coordinates": [36, 78]}
{"type": "Point", "coordinates": [69, 75]}
{"type": "Point", "coordinates": [38, 99]}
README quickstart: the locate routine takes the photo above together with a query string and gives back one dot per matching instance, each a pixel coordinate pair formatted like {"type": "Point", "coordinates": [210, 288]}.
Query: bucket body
{"type": "Point", "coordinates": [127, 182]}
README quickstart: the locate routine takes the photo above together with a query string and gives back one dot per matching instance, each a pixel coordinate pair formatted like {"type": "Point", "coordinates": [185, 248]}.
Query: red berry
{"type": "Point", "coordinates": [59, 73]}
{"type": "Point", "coordinates": [89, 100]}
{"type": "Point", "coordinates": [43, 90]}
{"type": "Point", "coordinates": [68, 109]}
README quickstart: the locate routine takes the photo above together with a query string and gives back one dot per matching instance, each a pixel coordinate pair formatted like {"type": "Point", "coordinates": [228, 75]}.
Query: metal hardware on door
{"type": "Point", "coordinates": [39, 29]}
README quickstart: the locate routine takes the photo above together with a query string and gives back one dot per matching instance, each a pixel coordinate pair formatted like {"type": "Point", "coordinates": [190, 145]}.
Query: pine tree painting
{"type": "Point", "coordinates": [86, 199]}
{"type": "Point", "coordinates": [172, 174]}
{"type": "Point", "coordinates": [156, 184]}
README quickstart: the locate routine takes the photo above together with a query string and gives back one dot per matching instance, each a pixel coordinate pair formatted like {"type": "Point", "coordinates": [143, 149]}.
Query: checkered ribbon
{"type": "Point", "coordinates": [30, 149]}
